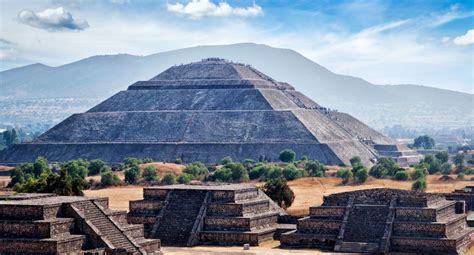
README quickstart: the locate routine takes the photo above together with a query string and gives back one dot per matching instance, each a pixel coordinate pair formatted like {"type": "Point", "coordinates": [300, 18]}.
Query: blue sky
{"type": "Point", "coordinates": [385, 42]}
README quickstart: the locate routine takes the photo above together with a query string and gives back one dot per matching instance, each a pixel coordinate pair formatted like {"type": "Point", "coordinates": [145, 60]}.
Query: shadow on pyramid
{"type": "Point", "coordinates": [205, 111]}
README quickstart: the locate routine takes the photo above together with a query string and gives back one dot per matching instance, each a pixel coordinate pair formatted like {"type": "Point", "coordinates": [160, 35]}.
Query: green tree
{"type": "Point", "coordinates": [227, 160]}
{"type": "Point", "coordinates": [384, 167]}
{"type": "Point", "coordinates": [401, 176]}
{"type": "Point", "coordinates": [419, 184]}
{"type": "Point", "coordinates": [40, 166]}
{"type": "Point", "coordinates": [132, 174]}
{"type": "Point", "coordinates": [355, 161]}
{"type": "Point", "coordinates": [362, 174]}
{"type": "Point", "coordinates": [443, 156]}
{"type": "Point", "coordinates": [459, 162]}
{"type": "Point", "coordinates": [291, 172]}
{"type": "Point", "coordinates": [76, 167]}
{"type": "Point", "coordinates": [184, 178]}
{"type": "Point", "coordinates": [287, 156]}
{"type": "Point", "coordinates": [147, 160]}
{"type": "Point", "coordinates": [95, 166]}
{"type": "Point", "coordinates": [130, 162]}
{"type": "Point", "coordinates": [446, 168]}
{"type": "Point", "coordinates": [344, 174]}
{"type": "Point", "coordinates": [421, 171]}
{"type": "Point", "coordinates": [424, 141]}
{"type": "Point", "coordinates": [428, 159]}
{"type": "Point", "coordinates": [108, 178]}
{"type": "Point", "coordinates": [314, 168]}
{"type": "Point", "coordinates": [435, 166]}
{"type": "Point", "coordinates": [150, 174]}
{"type": "Point", "coordinates": [196, 169]}
{"type": "Point", "coordinates": [279, 191]}
{"type": "Point", "coordinates": [274, 173]}
{"type": "Point", "coordinates": [10, 137]}
{"type": "Point", "coordinates": [223, 174]}
{"type": "Point", "coordinates": [178, 161]}
{"type": "Point", "coordinates": [169, 179]}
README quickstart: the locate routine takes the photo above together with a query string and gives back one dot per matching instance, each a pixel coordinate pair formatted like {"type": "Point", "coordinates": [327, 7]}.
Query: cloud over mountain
{"type": "Point", "coordinates": [52, 20]}
{"type": "Point", "coordinates": [201, 8]}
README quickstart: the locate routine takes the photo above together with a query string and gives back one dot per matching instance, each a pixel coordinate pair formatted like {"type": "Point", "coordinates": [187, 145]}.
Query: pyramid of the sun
{"type": "Point", "coordinates": [205, 111]}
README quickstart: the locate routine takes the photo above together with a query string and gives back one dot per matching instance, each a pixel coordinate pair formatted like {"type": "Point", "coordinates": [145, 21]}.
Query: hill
{"type": "Point", "coordinates": [99, 77]}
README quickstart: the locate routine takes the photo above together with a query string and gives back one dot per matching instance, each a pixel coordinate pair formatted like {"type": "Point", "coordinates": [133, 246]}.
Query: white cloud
{"type": "Point", "coordinates": [201, 8]}
{"type": "Point", "coordinates": [466, 39]}
{"type": "Point", "coordinates": [7, 49]}
{"type": "Point", "coordinates": [52, 20]}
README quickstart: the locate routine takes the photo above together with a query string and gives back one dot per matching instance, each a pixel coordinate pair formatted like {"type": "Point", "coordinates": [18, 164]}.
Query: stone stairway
{"type": "Point", "coordinates": [95, 215]}
{"type": "Point", "coordinates": [181, 213]}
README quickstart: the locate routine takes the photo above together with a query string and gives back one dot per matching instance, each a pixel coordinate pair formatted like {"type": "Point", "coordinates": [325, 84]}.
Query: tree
{"type": "Point", "coordinates": [314, 168]}
{"type": "Point", "coordinates": [108, 178]}
{"type": "Point", "coordinates": [355, 161]}
{"type": "Point", "coordinates": [446, 168]}
{"type": "Point", "coordinates": [384, 167]}
{"type": "Point", "coordinates": [150, 174]}
{"type": "Point", "coordinates": [10, 137]}
{"type": "Point", "coordinates": [443, 156]}
{"type": "Point", "coordinates": [419, 185]}
{"type": "Point", "coordinates": [76, 168]}
{"type": "Point", "coordinates": [196, 169]}
{"type": "Point", "coordinates": [95, 166]}
{"type": "Point", "coordinates": [227, 160]}
{"type": "Point", "coordinates": [344, 174]}
{"type": "Point", "coordinates": [421, 171]}
{"type": "Point", "coordinates": [184, 178]}
{"type": "Point", "coordinates": [459, 162]}
{"type": "Point", "coordinates": [362, 174]}
{"type": "Point", "coordinates": [40, 166]}
{"type": "Point", "coordinates": [147, 160]}
{"type": "Point", "coordinates": [424, 141]}
{"type": "Point", "coordinates": [428, 159]}
{"type": "Point", "coordinates": [132, 174]}
{"type": "Point", "coordinates": [291, 172]}
{"type": "Point", "coordinates": [223, 174]}
{"type": "Point", "coordinates": [129, 162]}
{"type": "Point", "coordinates": [401, 176]}
{"type": "Point", "coordinates": [287, 156]}
{"type": "Point", "coordinates": [239, 172]}
{"type": "Point", "coordinates": [279, 191]}
{"type": "Point", "coordinates": [178, 161]}
{"type": "Point", "coordinates": [435, 166]}
{"type": "Point", "coordinates": [169, 179]}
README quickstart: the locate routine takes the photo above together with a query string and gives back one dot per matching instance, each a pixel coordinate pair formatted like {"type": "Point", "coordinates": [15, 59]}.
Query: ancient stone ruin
{"type": "Point", "coordinates": [385, 220]}
{"type": "Point", "coordinates": [48, 224]}
{"type": "Point", "coordinates": [205, 111]}
{"type": "Point", "coordinates": [188, 215]}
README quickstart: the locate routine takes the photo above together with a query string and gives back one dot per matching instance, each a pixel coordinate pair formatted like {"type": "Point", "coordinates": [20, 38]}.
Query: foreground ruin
{"type": "Point", "coordinates": [205, 111]}
{"type": "Point", "coordinates": [48, 224]}
{"type": "Point", "coordinates": [188, 215]}
{"type": "Point", "coordinates": [385, 220]}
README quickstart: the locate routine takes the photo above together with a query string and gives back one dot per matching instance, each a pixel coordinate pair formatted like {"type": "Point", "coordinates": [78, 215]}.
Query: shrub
{"type": "Point", "coordinates": [227, 160]}
{"type": "Point", "coordinates": [129, 162]}
{"type": "Point", "coordinates": [355, 161]}
{"type": "Point", "coordinates": [196, 169]}
{"type": "Point", "coordinates": [384, 167]}
{"type": "Point", "coordinates": [446, 168]}
{"type": "Point", "coordinates": [132, 174]}
{"type": "Point", "coordinates": [76, 168]}
{"type": "Point", "coordinates": [279, 191]}
{"type": "Point", "coordinates": [421, 171]}
{"type": "Point", "coordinates": [469, 171]}
{"type": "Point", "coordinates": [459, 162]}
{"type": "Point", "coordinates": [108, 178]}
{"type": "Point", "coordinates": [434, 167]}
{"type": "Point", "coordinates": [442, 156]}
{"type": "Point", "coordinates": [314, 168]}
{"type": "Point", "coordinates": [184, 178]}
{"type": "Point", "coordinates": [428, 159]}
{"type": "Point", "coordinates": [401, 176]}
{"type": "Point", "coordinates": [362, 174]}
{"type": "Point", "coordinates": [461, 176]}
{"type": "Point", "coordinates": [344, 174]}
{"type": "Point", "coordinates": [169, 179]}
{"type": "Point", "coordinates": [239, 172]}
{"type": "Point", "coordinates": [304, 158]}
{"type": "Point", "coordinates": [147, 160]}
{"type": "Point", "coordinates": [95, 166]}
{"type": "Point", "coordinates": [287, 156]}
{"type": "Point", "coordinates": [39, 166]}
{"type": "Point", "coordinates": [178, 161]}
{"type": "Point", "coordinates": [222, 174]}
{"type": "Point", "coordinates": [150, 174]}
{"type": "Point", "coordinates": [291, 172]}
{"type": "Point", "coordinates": [419, 184]}
{"type": "Point", "coordinates": [274, 173]}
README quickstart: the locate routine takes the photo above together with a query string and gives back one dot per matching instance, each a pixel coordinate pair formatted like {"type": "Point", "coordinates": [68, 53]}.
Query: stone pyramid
{"type": "Point", "coordinates": [205, 111]}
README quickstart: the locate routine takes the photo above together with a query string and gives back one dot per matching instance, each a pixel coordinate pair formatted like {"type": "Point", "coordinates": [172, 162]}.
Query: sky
{"type": "Point", "coordinates": [385, 42]}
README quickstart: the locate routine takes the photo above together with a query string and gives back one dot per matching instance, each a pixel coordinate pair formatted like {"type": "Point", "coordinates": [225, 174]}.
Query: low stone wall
{"type": "Point", "coordinates": [333, 212]}
{"type": "Point", "coordinates": [330, 227]}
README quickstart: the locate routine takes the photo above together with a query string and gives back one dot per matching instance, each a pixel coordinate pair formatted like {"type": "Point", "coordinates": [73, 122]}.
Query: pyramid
{"type": "Point", "coordinates": [205, 111]}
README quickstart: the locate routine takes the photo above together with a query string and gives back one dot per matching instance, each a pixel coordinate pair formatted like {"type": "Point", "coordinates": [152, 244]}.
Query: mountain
{"type": "Point", "coordinates": [99, 77]}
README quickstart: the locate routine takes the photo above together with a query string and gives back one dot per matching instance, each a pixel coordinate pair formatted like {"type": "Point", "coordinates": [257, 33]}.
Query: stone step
{"type": "Point", "coordinates": [359, 247]}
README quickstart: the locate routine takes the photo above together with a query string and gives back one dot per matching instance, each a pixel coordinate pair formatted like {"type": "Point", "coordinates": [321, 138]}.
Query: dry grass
{"type": "Point", "coordinates": [163, 168]}
{"type": "Point", "coordinates": [118, 196]}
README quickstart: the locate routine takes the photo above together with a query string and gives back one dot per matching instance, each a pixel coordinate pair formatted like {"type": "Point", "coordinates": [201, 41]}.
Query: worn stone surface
{"type": "Point", "coordinates": [385, 220]}
{"type": "Point", "coordinates": [205, 111]}
{"type": "Point", "coordinates": [48, 224]}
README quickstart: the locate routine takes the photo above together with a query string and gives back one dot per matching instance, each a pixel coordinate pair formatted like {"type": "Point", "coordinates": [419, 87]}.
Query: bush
{"type": "Point", "coordinates": [184, 178]}
{"type": "Point", "coordinates": [304, 158]}
{"type": "Point", "coordinates": [196, 169]}
{"type": "Point", "coordinates": [401, 176]}
{"type": "Point", "coordinates": [344, 174]}
{"type": "Point", "coordinates": [287, 156]}
{"type": "Point", "coordinates": [355, 161]}
{"type": "Point", "coordinates": [446, 168]}
{"type": "Point", "coordinates": [178, 161]}
{"type": "Point", "coordinates": [222, 174]}
{"type": "Point", "coordinates": [362, 174]}
{"type": "Point", "coordinates": [442, 156]}
{"type": "Point", "coordinates": [279, 191]}
{"type": "Point", "coordinates": [291, 172]}
{"type": "Point", "coordinates": [424, 141]}
{"type": "Point", "coordinates": [39, 166]}
{"type": "Point", "coordinates": [461, 176]}
{"type": "Point", "coordinates": [314, 168]}
{"type": "Point", "coordinates": [108, 178]}
{"type": "Point", "coordinates": [169, 179]}
{"type": "Point", "coordinates": [95, 166]}
{"type": "Point", "coordinates": [130, 162]}
{"type": "Point", "coordinates": [227, 160]}
{"type": "Point", "coordinates": [419, 185]}
{"type": "Point", "coordinates": [384, 167]}
{"type": "Point", "coordinates": [239, 172]}
{"type": "Point", "coordinates": [421, 171]}
{"type": "Point", "coordinates": [76, 168]}
{"type": "Point", "coordinates": [458, 161]}
{"type": "Point", "coordinates": [150, 174]}
{"type": "Point", "coordinates": [274, 172]}
{"type": "Point", "coordinates": [132, 174]}
{"type": "Point", "coordinates": [469, 171]}
{"type": "Point", "coordinates": [434, 167]}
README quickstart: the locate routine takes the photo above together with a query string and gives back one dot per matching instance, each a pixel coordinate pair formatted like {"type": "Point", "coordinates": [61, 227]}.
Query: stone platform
{"type": "Point", "coordinates": [48, 224]}
{"type": "Point", "coordinates": [385, 220]}
{"type": "Point", "coordinates": [188, 215]}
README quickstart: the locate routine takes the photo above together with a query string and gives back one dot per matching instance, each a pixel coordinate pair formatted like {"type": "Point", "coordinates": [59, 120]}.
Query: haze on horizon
{"type": "Point", "coordinates": [385, 42]}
